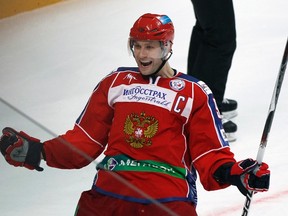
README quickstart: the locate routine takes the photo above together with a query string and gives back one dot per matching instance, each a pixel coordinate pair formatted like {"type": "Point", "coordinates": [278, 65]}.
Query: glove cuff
{"type": "Point", "coordinates": [222, 174]}
{"type": "Point", "coordinates": [33, 157]}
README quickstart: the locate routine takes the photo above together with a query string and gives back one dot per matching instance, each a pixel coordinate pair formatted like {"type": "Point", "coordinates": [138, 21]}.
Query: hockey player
{"type": "Point", "coordinates": [156, 126]}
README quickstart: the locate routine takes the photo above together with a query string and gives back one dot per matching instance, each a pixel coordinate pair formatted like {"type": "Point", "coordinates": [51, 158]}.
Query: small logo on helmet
{"type": "Point", "coordinates": [165, 19]}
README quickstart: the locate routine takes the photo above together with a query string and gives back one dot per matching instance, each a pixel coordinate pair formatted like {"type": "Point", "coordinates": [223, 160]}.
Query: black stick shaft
{"type": "Point", "coordinates": [268, 122]}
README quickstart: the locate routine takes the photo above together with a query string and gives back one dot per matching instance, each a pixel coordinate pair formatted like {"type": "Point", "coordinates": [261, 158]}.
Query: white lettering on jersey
{"type": "Point", "coordinates": [176, 108]}
{"type": "Point", "coordinates": [205, 87]}
{"type": "Point", "coordinates": [150, 94]}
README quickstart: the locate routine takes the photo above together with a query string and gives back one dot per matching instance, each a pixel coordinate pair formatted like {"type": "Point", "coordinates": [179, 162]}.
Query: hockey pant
{"type": "Point", "coordinates": [92, 203]}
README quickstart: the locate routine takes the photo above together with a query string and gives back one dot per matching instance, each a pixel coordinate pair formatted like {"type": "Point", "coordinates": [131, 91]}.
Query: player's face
{"type": "Point", "coordinates": [148, 56]}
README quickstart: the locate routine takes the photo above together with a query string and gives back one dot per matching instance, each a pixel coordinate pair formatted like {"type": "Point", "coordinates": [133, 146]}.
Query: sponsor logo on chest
{"type": "Point", "coordinates": [142, 94]}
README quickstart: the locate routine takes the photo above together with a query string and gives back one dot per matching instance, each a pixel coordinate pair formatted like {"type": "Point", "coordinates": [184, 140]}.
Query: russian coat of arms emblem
{"type": "Point", "coordinates": [139, 129]}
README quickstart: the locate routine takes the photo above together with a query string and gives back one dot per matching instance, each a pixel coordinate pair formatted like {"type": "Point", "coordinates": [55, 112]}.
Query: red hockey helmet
{"type": "Point", "coordinates": [153, 27]}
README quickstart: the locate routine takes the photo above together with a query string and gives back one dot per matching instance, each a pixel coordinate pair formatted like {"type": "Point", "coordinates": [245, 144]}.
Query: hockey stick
{"type": "Point", "coordinates": [268, 123]}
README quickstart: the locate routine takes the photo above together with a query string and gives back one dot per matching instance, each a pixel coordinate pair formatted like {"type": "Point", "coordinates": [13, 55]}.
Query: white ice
{"type": "Point", "coordinates": [52, 58]}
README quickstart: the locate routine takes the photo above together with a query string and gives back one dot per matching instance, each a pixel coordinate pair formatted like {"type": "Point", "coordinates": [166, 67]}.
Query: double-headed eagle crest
{"type": "Point", "coordinates": [139, 129]}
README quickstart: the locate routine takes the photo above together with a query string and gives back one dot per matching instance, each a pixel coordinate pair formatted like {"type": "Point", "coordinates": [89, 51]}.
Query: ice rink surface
{"type": "Point", "coordinates": [52, 58]}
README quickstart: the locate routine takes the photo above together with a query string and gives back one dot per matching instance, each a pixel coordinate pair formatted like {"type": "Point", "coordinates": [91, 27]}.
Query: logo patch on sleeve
{"type": "Point", "coordinates": [205, 87]}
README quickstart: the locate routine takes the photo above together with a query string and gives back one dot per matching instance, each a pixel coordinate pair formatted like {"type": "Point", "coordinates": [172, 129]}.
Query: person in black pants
{"type": "Point", "coordinates": [212, 45]}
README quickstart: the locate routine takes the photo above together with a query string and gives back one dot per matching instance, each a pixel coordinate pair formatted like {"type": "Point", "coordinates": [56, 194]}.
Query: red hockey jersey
{"type": "Point", "coordinates": [155, 134]}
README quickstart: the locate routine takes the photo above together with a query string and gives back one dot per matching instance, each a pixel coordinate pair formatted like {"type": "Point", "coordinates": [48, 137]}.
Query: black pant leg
{"type": "Point", "coordinates": [212, 44]}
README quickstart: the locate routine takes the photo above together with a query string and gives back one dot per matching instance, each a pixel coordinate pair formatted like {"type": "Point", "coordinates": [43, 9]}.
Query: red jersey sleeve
{"type": "Point", "coordinates": [87, 140]}
{"type": "Point", "coordinates": [208, 147]}
{"type": "Point", "coordinates": [75, 149]}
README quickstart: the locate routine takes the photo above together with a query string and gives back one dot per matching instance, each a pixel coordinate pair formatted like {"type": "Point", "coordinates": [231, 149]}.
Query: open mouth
{"type": "Point", "coordinates": [146, 63]}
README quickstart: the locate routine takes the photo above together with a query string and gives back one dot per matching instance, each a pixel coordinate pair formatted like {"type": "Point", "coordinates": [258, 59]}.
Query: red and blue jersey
{"type": "Point", "coordinates": [156, 134]}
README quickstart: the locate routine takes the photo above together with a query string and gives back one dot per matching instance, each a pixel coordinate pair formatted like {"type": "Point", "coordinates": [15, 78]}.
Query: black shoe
{"type": "Point", "coordinates": [230, 129]}
{"type": "Point", "coordinates": [228, 108]}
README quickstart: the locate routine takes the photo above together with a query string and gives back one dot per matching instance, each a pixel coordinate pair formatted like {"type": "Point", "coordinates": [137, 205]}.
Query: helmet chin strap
{"type": "Point", "coordinates": [161, 66]}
